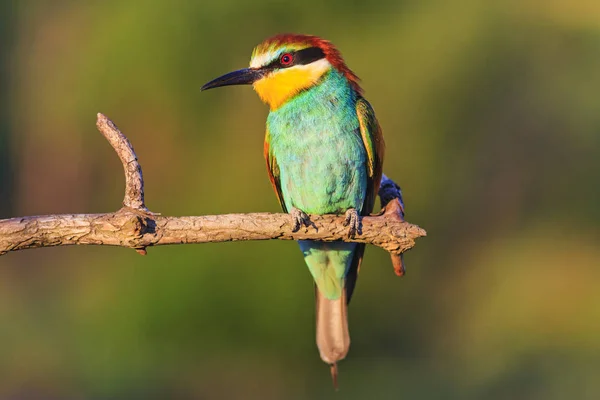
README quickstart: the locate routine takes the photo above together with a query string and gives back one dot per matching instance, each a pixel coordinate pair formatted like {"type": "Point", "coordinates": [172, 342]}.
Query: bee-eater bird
{"type": "Point", "coordinates": [324, 152]}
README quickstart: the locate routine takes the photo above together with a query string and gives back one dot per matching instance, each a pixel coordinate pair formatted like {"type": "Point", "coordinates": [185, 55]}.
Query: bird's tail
{"type": "Point", "coordinates": [333, 338]}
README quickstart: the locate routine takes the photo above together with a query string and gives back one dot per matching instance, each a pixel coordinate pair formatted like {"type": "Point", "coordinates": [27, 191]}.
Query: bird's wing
{"type": "Point", "coordinates": [273, 170]}
{"type": "Point", "coordinates": [372, 138]}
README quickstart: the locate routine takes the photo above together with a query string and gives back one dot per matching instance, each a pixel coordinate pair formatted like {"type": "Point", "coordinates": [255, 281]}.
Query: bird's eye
{"type": "Point", "coordinates": [286, 59]}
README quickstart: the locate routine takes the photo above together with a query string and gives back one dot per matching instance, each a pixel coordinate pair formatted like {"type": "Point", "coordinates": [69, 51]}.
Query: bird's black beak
{"type": "Point", "coordinates": [244, 76]}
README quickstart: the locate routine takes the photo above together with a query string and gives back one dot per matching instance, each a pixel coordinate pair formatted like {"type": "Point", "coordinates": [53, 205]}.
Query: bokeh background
{"type": "Point", "coordinates": [491, 114]}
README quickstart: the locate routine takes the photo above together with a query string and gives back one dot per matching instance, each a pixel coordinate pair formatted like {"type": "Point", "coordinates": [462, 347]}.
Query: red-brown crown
{"type": "Point", "coordinates": [332, 54]}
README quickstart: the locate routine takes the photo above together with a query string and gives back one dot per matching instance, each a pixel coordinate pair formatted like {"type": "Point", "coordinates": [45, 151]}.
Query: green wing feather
{"type": "Point", "coordinates": [372, 138]}
{"type": "Point", "coordinates": [273, 170]}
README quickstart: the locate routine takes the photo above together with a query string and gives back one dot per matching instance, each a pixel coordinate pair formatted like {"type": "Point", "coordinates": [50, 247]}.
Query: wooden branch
{"type": "Point", "coordinates": [134, 181]}
{"type": "Point", "coordinates": [135, 227]}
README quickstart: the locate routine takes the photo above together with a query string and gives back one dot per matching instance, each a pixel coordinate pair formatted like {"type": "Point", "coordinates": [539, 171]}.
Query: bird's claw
{"type": "Point", "coordinates": [299, 218]}
{"type": "Point", "coordinates": [353, 222]}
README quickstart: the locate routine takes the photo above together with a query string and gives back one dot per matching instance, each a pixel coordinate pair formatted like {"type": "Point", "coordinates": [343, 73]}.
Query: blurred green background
{"type": "Point", "coordinates": [491, 114]}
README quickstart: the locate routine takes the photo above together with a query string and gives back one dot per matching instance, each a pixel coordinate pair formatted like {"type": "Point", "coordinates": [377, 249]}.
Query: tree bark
{"type": "Point", "coordinates": [134, 226]}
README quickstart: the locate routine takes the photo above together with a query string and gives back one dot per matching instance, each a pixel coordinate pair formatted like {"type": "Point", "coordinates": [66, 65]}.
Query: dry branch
{"type": "Point", "coordinates": [135, 227]}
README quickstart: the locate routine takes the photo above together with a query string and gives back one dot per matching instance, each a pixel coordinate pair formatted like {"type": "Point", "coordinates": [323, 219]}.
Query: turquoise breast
{"type": "Point", "coordinates": [316, 141]}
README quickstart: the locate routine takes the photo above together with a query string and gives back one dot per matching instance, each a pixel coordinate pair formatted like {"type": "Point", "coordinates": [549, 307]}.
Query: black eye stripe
{"type": "Point", "coordinates": [306, 56]}
{"type": "Point", "coordinates": [300, 57]}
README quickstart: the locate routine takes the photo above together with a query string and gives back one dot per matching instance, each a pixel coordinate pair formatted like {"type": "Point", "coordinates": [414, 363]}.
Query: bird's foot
{"type": "Point", "coordinates": [299, 218]}
{"type": "Point", "coordinates": [353, 222]}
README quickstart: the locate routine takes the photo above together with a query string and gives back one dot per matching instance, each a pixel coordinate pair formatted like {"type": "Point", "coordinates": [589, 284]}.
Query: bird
{"type": "Point", "coordinates": [324, 151]}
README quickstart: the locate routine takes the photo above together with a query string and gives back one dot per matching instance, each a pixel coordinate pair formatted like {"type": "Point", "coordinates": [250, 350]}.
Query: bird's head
{"type": "Point", "coordinates": [284, 65]}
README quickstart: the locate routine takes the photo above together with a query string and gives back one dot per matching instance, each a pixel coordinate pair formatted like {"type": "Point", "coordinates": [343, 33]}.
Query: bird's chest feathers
{"type": "Point", "coordinates": [320, 154]}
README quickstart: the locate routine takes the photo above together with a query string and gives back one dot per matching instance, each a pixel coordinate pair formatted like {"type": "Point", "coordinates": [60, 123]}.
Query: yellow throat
{"type": "Point", "coordinates": [279, 86]}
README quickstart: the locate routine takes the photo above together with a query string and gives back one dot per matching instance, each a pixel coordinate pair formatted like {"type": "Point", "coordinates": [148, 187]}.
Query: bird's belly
{"type": "Point", "coordinates": [322, 178]}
